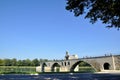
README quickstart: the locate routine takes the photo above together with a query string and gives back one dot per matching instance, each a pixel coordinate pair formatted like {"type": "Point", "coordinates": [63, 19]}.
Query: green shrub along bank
{"type": "Point", "coordinates": [86, 69]}
{"type": "Point", "coordinates": [17, 70]}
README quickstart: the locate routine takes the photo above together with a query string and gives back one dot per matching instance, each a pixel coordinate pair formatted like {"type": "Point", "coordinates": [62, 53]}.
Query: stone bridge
{"type": "Point", "coordinates": [101, 63]}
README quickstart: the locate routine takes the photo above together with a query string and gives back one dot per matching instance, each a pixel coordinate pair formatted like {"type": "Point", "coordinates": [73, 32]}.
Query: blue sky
{"type": "Point", "coordinates": [44, 29]}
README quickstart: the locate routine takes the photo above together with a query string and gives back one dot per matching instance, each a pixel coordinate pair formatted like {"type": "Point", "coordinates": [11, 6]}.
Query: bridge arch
{"type": "Point", "coordinates": [43, 67]}
{"type": "Point", "coordinates": [55, 67]}
{"type": "Point", "coordinates": [77, 63]}
{"type": "Point", "coordinates": [106, 66]}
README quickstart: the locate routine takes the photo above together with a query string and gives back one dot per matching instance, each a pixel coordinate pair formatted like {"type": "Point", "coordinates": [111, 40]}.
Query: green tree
{"type": "Point", "coordinates": [19, 63]}
{"type": "Point", "coordinates": [83, 64]}
{"type": "Point", "coordinates": [1, 62]}
{"type": "Point", "coordinates": [7, 62]}
{"type": "Point", "coordinates": [43, 60]}
{"type": "Point", "coordinates": [35, 62]}
{"type": "Point", "coordinates": [107, 11]}
{"type": "Point", "coordinates": [26, 62]}
{"type": "Point", "coordinates": [14, 62]}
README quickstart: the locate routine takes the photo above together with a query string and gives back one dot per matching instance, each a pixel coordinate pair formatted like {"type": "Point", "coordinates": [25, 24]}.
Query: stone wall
{"type": "Point", "coordinates": [117, 62]}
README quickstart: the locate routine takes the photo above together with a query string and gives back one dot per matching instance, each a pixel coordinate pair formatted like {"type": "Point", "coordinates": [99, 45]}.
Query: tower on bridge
{"type": "Point", "coordinates": [68, 57]}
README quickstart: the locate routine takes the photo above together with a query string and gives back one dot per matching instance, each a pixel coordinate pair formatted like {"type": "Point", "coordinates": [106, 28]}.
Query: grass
{"type": "Point", "coordinates": [17, 70]}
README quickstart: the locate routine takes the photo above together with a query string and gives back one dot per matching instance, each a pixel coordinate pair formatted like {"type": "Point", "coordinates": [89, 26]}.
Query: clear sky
{"type": "Point", "coordinates": [44, 29]}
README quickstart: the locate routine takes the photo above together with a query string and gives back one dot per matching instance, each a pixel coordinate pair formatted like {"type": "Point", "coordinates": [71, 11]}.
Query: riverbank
{"type": "Point", "coordinates": [32, 70]}
{"type": "Point", "coordinates": [109, 71]}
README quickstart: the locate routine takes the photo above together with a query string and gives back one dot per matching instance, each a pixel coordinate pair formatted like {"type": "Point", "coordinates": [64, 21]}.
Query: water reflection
{"type": "Point", "coordinates": [70, 76]}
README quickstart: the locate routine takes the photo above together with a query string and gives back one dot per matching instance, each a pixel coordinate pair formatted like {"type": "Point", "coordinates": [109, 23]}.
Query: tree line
{"type": "Point", "coordinates": [25, 62]}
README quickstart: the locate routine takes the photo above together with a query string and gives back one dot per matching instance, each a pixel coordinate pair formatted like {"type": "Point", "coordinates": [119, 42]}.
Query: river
{"type": "Point", "coordinates": [67, 76]}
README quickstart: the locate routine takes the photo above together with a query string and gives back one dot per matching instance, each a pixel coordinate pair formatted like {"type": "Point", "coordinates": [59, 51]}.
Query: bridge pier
{"type": "Point", "coordinates": [64, 69]}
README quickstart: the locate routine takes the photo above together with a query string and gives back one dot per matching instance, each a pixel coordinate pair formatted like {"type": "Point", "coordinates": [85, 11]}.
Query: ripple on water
{"type": "Point", "coordinates": [70, 76]}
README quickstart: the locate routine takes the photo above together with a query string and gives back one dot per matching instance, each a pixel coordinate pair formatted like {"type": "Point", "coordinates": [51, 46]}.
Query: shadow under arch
{"type": "Point", "coordinates": [106, 66]}
{"type": "Point", "coordinates": [43, 67]}
{"type": "Point", "coordinates": [78, 62]}
{"type": "Point", "coordinates": [55, 67]}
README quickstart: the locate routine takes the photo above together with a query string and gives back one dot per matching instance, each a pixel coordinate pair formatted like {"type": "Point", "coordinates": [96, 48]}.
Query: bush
{"type": "Point", "coordinates": [17, 70]}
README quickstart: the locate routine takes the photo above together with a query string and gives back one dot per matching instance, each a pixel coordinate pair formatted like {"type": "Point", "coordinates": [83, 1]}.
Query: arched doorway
{"type": "Point", "coordinates": [82, 66]}
{"type": "Point", "coordinates": [43, 67]}
{"type": "Point", "coordinates": [55, 67]}
{"type": "Point", "coordinates": [106, 66]}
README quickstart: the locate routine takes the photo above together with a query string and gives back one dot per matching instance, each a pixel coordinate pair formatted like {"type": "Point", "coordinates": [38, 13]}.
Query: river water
{"type": "Point", "coordinates": [67, 76]}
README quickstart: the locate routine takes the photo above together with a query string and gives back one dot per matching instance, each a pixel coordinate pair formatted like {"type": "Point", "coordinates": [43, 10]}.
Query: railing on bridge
{"type": "Point", "coordinates": [87, 57]}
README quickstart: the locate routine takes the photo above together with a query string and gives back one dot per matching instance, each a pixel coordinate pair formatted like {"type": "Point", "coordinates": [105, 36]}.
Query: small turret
{"type": "Point", "coordinates": [66, 56]}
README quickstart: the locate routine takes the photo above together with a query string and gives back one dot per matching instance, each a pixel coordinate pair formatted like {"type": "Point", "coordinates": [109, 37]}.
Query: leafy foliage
{"type": "Point", "coordinates": [107, 11]}
{"type": "Point", "coordinates": [26, 62]}
{"type": "Point", "coordinates": [84, 64]}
